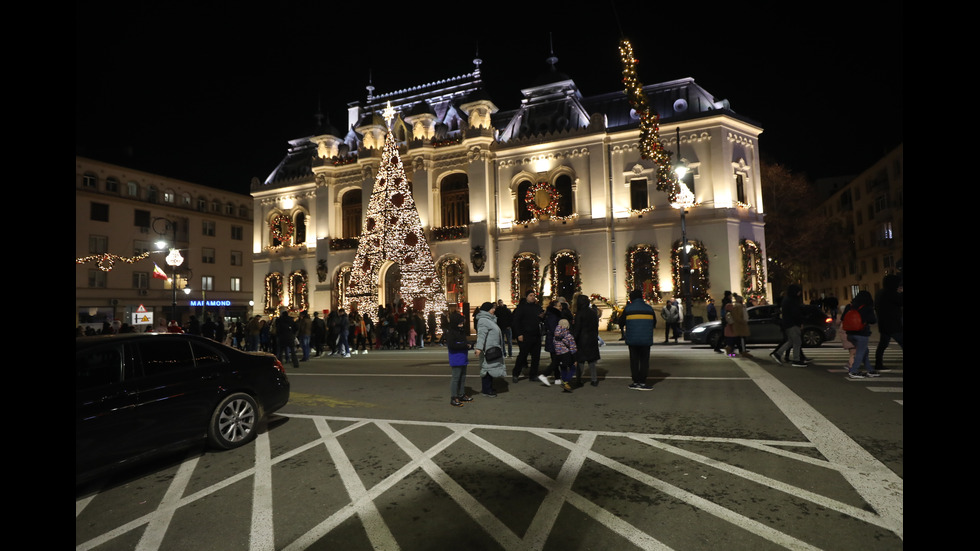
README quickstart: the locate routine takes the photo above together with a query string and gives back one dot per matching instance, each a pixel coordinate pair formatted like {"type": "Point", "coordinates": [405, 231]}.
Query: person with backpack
{"type": "Point", "coordinates": [858, 317]}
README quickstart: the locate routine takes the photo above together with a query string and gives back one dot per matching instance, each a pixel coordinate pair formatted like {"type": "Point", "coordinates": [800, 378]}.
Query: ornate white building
{"type": "Point", "coordinates": [552, 194]}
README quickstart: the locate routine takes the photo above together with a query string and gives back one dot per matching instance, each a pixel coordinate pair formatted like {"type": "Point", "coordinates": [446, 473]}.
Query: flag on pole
{"type": "Point", "coordinates": [158, 272]}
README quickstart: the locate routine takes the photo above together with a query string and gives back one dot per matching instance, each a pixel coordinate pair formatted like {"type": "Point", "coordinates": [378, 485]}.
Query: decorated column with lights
{"type": "Point", "coordinates": [392, 232]}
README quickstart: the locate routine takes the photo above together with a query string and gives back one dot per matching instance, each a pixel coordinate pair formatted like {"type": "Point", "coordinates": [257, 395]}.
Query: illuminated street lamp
{"type": "Point", "coordinates": [174, 258]}
{"type": "Point", "coordinates": [683, 200]}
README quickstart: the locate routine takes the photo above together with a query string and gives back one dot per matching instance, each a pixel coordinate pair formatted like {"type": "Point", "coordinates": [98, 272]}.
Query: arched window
{"type": "Point", "coordinates": [342, 284]}
{"type": "Point", "coordinates": [452, 272]}
{"type": "Point", "coordinates": [753, 270]}
{"type": "Point", "coordinates": [152, 195]}
{"type": "Point", "coordinates": [565, 280]}
{"type": "Point", "coordinates": [642, 271]}
{"type": "Point", "coordinates": [273, 292]}
{"type": "Point", "coordinates": [455, 200]}
{"type": "Point", "coordinates": [566, 202]}
{"type": "Point", "coordinates": [350, 207]}
{"type": "Point", "coordinates": [698, 271]}
{"type": "Point", "coordinates": [299, 221]}
{"type": "Point", "coordinates": [525, 275]}
{"type": "Point", "coordinates": [299, 293]}
{"type": "Point", "coordinates": [523, 213]}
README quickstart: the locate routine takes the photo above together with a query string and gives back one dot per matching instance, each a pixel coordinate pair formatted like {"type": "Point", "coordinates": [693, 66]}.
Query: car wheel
{"type": "Point", "coordinates": [233, 422]}
{"type": "Point", "coordinates": [812, 338]}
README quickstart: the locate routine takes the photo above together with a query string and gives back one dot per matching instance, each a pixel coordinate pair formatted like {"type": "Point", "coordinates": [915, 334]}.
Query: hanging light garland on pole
{"type": "Point", "coordinates": [650, 146]}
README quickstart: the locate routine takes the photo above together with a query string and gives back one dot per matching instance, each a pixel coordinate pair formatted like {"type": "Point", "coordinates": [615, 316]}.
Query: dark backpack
{"type": "Point", "coordinates": [852, 320]}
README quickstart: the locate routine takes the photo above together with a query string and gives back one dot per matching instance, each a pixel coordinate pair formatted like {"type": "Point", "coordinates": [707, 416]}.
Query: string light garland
{"type": "Point", "coordinates": [650, 146]}
{"type": "Point", "coordinates": [107, 260]}
{"type": "Point", "coordinates": [393, 233]}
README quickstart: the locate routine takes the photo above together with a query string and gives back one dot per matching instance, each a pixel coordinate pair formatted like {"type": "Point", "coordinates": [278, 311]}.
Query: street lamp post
{"type": "Point", "coordinates": [683, 201]}
{"type": "Point", "coordinates": [174, 259]}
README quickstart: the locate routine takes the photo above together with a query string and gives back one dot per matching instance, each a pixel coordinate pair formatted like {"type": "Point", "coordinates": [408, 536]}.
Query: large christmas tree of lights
{"type": "Point", "coordinates": [393, 233]}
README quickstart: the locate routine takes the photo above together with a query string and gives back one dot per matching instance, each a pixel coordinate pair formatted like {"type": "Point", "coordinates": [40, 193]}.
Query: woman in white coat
{"type": "Point", "coordinates": [488, 337]}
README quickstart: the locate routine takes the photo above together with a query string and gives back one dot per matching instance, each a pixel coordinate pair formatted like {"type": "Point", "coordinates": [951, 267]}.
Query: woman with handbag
{"type": "Point", "coordinates": [489, 348]}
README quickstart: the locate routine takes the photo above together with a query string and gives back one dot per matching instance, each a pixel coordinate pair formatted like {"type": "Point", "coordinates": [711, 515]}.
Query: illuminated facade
{"type": "Point", "coordinates": [552, 194]}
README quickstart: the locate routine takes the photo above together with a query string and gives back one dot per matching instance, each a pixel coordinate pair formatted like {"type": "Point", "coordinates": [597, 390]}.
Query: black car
{"type": "Point", "coordinates": [764, 328]}
{"type": "Point", "coordinates": [139, 394]}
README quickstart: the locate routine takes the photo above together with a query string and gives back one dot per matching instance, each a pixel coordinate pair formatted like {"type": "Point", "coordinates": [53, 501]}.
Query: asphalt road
{"type": "Point", "coordinates": [724, 453]}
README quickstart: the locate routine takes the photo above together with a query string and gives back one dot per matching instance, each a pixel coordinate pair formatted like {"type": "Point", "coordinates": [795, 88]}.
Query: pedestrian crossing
{"type": "Point", "coordinates": [834, 360]}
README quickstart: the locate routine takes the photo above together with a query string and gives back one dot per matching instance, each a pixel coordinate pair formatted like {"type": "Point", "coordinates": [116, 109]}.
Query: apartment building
{"type": "Point", "coordinates": [128, 224]}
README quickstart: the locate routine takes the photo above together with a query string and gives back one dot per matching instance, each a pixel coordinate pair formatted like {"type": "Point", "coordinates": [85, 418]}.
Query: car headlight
{"type": "Point", "coordinates": [698, 329]}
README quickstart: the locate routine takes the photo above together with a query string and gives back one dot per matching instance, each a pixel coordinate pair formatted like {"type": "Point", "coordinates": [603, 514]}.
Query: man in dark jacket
{"type": "Point", "coordinates": [791, 321]}
{"type": "Point", "coordinates": [639, 320]}
{"type": "Point", "coordinates": [526, 325]}
{"type": "Point", "coordinates": [504, 319]}
{"type": "Point", "coordinates": [890, 309]}
{"type": "Point", "coordinates": [319, 333]}
{"type": "Point", "coordinates": [286, 337]}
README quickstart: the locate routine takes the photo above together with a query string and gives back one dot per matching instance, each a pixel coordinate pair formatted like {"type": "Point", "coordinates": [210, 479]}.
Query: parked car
{"type": "Point", "coordinates": [818, 327]}
{"type": "Point", "coordinates": [140, 394]}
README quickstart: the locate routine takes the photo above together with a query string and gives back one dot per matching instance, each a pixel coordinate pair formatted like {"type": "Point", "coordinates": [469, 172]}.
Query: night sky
{"type": "Point", "coordinates": [212, 96]}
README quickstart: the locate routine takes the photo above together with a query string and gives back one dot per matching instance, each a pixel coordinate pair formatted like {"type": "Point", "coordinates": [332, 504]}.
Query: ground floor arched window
{"type": "Point", "coordinates": [341, 285]}
{"type": "Point", "coordinates": [642, 271]}
{"type": "Point", "coordinates": [698, 272]}
{"type": "Point", "coordinates": [299, 291]}
{"type": "Point", "coordinates": [565, 277]}
{"type": "Point", "coordinates": [452, 277]}
{"type": "Point", "coordinates": [753, 271]}
{"type": "Point", "coordinates": [525, 275]}
{"type": "Point", "coordinates": [274, 292]}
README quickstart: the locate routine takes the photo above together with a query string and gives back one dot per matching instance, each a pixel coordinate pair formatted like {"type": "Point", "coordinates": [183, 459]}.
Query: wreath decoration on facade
{"type": "Point", "coordinates": [282, 228]}
{"type": "Point", "coordinates": [551, 209]}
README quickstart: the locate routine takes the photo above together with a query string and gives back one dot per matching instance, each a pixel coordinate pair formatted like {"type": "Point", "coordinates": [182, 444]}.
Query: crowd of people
{"type": "Point", "coordinates": [568, 333]}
